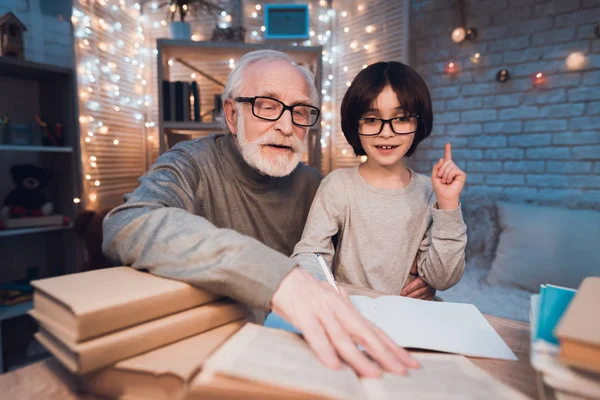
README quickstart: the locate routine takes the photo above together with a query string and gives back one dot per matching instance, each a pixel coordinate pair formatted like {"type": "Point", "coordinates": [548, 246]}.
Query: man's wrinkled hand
{"type": "Point", "coordinates": [334, 328]}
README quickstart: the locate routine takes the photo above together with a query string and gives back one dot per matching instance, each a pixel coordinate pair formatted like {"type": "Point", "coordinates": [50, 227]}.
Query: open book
{"type": "Point", "coordinates": [428, 325]}
{"type": "Point", "coordinates": [281, 363]}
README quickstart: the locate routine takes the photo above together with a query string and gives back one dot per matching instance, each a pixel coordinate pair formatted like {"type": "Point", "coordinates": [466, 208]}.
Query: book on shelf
{"type": "Point", "coordinates": [33, 222]}
{"type": "Point", "coordinates": [15, 293]}
{"type": "Point", "coordinates": [197, 101]}
{"type": "Point", "coordinates": [92, 303]}
{"type": "Point", "coordinates": [166, 95]}
{"type": "Point", "coordinates": [181, 101]}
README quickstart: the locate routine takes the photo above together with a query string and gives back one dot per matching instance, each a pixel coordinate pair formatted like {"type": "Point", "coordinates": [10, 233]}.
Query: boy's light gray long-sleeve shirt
{"type": "Point", "coordinates": [380, 232]}
{"type": "Point", "coordinates": [202, 215]}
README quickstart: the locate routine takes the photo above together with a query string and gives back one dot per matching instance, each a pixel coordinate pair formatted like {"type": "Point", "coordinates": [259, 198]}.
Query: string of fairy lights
{"type": "Point", "coordinates": [126, 31]}
{"type": "Point", "coordinates": [109, 30]}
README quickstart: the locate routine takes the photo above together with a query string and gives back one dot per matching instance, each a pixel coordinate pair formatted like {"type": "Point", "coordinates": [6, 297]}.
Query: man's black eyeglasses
{"type": "Point", "coordinates": [405, 125]}
{"type": "Point", "coordinates": [271, 109]}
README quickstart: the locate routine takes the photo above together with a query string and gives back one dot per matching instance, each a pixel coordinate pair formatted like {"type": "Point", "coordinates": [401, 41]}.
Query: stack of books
{"type": "Point", "coordinates": [119, 330]}
{"type": "Point", "coordinates": [181, 101]}
{"type": "Point", "coordinates": [565, 339]}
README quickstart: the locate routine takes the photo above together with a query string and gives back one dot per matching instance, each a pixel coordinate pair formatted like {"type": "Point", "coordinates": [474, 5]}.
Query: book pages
{"type": "Point", "coordinates": [281, 359]}
{"type": "Point", "coordinates": [441, 376]}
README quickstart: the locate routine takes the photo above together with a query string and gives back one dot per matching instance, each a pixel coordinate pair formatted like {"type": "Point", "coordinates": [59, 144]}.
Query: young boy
{"type": "Point", "coordinates": [385, 215]}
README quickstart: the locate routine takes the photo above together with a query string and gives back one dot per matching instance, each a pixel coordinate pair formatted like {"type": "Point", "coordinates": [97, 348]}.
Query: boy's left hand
{"type": "Point", "coordinates": [448, 181]}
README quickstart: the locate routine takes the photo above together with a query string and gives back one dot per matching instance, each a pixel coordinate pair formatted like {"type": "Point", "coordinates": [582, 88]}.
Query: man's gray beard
{"type": "Point", "coordinates": [279, 166]}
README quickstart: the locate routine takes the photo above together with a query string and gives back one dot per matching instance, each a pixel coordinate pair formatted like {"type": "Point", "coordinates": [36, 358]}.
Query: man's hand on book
{"type": "Point", "coordinates": [334, 328]}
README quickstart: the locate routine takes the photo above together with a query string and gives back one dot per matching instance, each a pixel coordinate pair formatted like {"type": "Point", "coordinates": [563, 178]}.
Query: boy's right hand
{"type": "Point", "coordinates": [334, 328]}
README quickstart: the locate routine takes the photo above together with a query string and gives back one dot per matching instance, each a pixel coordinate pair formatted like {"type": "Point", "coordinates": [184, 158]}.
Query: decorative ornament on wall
{"type": "Point", "coordinates": [576, 61]}
{"type": "Point", "coordinates": [502, 75]}
{"type": "Point", "coordinates": [475, 58]}
{"type": "Point", "coordinates": [539, 79]}
{"type": "Point", "coordinates": [451, 68]}
{"type": "Point", "coordinates": [471, 34]}
{"type": "Point", "coordinates": [459, 34]}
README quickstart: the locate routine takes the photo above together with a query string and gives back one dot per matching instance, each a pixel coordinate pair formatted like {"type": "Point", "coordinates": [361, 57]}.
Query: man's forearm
{"type": "Point", "coordinates": [174, 243]}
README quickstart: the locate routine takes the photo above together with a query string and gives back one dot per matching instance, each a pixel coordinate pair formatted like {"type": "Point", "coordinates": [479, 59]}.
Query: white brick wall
{"type": "Point", "coordinates": [514, 137]}
{"type": "Point", "coordinates": [49, 39]}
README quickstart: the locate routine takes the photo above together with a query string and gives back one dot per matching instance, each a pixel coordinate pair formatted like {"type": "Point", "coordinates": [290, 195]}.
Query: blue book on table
{"type": "Point", "coordinates": [554, 301]}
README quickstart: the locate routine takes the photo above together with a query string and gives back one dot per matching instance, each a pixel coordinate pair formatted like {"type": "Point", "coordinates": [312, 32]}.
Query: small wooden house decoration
{"type": "Point", "coordinates": [12, 43]}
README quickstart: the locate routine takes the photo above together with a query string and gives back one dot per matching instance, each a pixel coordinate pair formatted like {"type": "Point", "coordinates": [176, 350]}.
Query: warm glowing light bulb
{"type": "Point", "coordinates": [93, 197]}
{"type": "Point", "coordinates": [116, 142]}
{"type": "Point", "coordinates": [76, 200]}
{"type": "Point", "coordinates": [576, 61]}
{"type": "Point", "coordinates": [459, 34]}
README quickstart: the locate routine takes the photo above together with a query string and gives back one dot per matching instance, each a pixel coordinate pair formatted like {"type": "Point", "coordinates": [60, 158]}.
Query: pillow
{"type": "Point", "coordinates": [481, 218]}
{"type": "Point", "coordinates": [541, 245]}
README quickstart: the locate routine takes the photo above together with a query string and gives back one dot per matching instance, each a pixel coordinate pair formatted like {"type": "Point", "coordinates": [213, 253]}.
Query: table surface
{"type": "Point", "coordinates": [47, 380]}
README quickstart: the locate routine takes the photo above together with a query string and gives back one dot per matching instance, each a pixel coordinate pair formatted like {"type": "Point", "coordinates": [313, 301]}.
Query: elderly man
{"type": "Point", "coordinates": [224, 213]}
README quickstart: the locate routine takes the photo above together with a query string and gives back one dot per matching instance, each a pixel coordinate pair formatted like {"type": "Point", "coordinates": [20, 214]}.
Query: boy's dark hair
{"type": "Point", "coordinates": [408, 85]}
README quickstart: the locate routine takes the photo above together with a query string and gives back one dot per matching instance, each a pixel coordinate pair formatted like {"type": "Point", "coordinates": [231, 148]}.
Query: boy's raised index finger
{"type": "Point", "coordinates": [448, 151]}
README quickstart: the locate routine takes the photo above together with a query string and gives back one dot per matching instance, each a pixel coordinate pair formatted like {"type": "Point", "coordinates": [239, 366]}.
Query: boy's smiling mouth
{"type": "Point", "coordinates": [386, 147]}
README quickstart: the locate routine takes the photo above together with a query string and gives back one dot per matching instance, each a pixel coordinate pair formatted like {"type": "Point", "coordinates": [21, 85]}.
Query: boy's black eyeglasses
{"type": "Point", "coordinates": [271, 109]}
{"type": "Point", "coordinates": [405, 125]}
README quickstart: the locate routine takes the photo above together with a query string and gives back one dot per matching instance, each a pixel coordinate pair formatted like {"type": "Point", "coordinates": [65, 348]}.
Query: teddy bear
{"type": "Point", "coordinates": [27, 199]}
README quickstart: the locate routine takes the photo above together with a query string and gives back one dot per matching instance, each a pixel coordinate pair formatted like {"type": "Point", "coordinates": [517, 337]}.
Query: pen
{"type": "Point", "coordinates": [327, 271]}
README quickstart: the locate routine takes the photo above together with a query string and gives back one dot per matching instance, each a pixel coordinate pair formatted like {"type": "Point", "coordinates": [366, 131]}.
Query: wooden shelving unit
{"type": "Point", "coordinates": [211, 54]}
{"type": "Point", "coordinates": [51, 93]}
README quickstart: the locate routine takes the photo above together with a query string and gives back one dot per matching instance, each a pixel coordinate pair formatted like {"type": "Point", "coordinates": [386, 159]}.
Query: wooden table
{"type": "Point", "coordinates": [47, 379]}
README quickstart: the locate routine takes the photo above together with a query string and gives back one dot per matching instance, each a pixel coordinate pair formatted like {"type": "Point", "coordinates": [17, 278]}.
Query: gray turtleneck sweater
{"type": "Point", "coordinates": [202, 215]}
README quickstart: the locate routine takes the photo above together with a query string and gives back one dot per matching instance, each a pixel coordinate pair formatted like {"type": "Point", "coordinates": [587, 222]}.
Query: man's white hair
{"type": "Point", "coordinates": [235, 80]}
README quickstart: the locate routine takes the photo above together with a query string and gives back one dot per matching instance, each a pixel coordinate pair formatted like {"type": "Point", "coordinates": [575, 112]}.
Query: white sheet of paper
{"type": "Point", "coordinates": [441, 326]}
